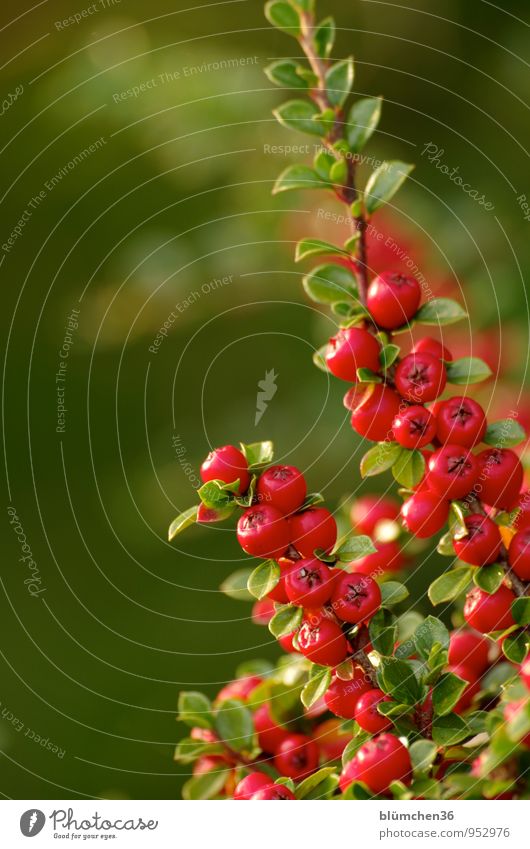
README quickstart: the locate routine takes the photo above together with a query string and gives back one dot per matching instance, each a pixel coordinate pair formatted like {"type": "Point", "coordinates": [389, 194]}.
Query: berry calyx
{"type": "Point", "coordinates": [392, 299]}
{"type": "Point", "coordinates": [428, 345]}
{"type": "Point", "coordinates": [482, 543]}
{"type": "Point", "coordinates": [322, 642]}
{"type": "Point", "coordinates": [453, 472]}
{"type": "Point", "coordinates": [489, 612]}
{"type": "Point", "coordinates": [500, 477]}
{"type": "Point", "coordinates": [250, 784]}
{"type": "Point", "coordinates": [381, 761]}
{"type": "Point", "coordinates": [460, 421]}
{"type": "Point", "coordinates": [374, 414]}
{"type": "Point", "coordinates": [276, 792]}
{"type": "Point", "coordinates": [420, 377]}
{"type": "Point", "coordinates": [414, 427]}
{"type": "Point", "coordinates": [226, 464]}
{"type": "Point", "coordinates": [297, 756]}
{"type": "Point", "coordinates": [424, 514]}
{"type": "Point", "coordinates": [309, 583]}
{"type": "Point", "coordinates": [313, 529]}
{"type": "Point", "coordinates": [355, 597]}
{"type": "Point", "coordinates": [366, 714]}
{"type": "Point", "coordinates": [263, 531]}
{"type": "Point", "coordinates": [283, 487]}
{"type": "Point", "coordinates": [350, 350]}
{"type": "Point", "coordinates": [519, 555]}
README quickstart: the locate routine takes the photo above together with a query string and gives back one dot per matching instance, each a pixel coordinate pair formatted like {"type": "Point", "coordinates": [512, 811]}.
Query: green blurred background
{"type": "Point", "coordinates": [175, 195]}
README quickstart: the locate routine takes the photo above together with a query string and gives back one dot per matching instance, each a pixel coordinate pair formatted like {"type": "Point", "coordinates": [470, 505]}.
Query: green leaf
{"type": "Point", "coordinates": [329, 283]}
{"type": "Point", "coordinates": [215, 495]}
{"type": "Point", "coordinates": [189, 517]}
{"type": "Point", "coordinates": [317, 685]}
{"type": "Point", "coordinates": [379, 458]}
{"type": "Point", "coordinates": [298, 177]}
{"type": "Point", "coordinates": [393, 592]}
{"type": "Point", "coordinates": [521, 611]}
{"type": "Point", "coordinates": [446, 693]}
{"type": "Point", "coordinates": [339, 81]}
{"type": "Point", "coordinates": [393, 709]}
{"type": "Point", "coordinates": [312, 499]}
{"type": "Point", "coordinates": [366, 375]}
{"type": "Point", "coordinates": [339, 173]}
{"type": "Point", "coordinates": [449, 585]}
{"type": "Point", "coordinates": [284, 73]}
{"type": "Point", "coordinates": [445, 545]}
{"type": "Point", "coordinates": [362, 121]}
{"type": "Point", "coordinates": [384, 183]}
{"type": "Point", "coordinates": [316, 247]}
{"type": "Point", "coordinates": [428, 633]}
{"type": "Point", "coordinates": [448, 730]}
{"type": "Point", "coordinates": [388, 355]}
{"type": "Point", "coordinates": [323, 163]}
{"type": "Point", "coordinates": [399, 680]}
{"type": "Point", "coordinates": [285, 620]}
{"type": "Point", "coordinates": [263, 579]}
{"type": "Point", "coordinates": [308, 784]}
{"type": "Point", "coordinates": [519, 726]}
{"type": "Point", "coordinates": [409, 468]}
{"type": "Point", "coordinates": [233, 723]}
{"type": "Point", "coordinates": [305, 5]}
{"type": "Point", "coordinates": [205, 786]}
{"type": "Point", "coordinates": [504, 434]}
{"type": "Point", "coordinates": [489, 578]}
{"type": "Point", "coordinates": [300, 115]}
{"type": "Point", "coordinates": [235, 585]}
{"type": "Point", "coordinates": [516, 646]}
{"type": "Point", "coordinates": [258, 454]}
{"type": "Point", "coordinates": [353, 548]}
{"type": "Point", "coordinates": [467, 370]}
{"type": "Point", "coordinates": [325, 37]}
{"type": "Point", "coordinates": [422, 754]}
{"type": "Point", "coordinates": [195, 709]}
{"type": "Point", "coordinates": [283, 16]}
{"type": "Point", "coordinates": [353, 746]}
{"type": "Point", "coordinates": [439, 312]}
{"type": "Point", "coordinates": [189, 750]}
{"type": "Point", "coordinates": [319, 358]}
{"type": "Point", "coordinates": [383, 630]}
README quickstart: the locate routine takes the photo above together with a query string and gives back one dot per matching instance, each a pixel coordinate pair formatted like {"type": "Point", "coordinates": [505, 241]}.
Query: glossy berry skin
{"type": "Point", "coordinates": [282, 486]}
{"type": "Point", "coordinates": [263, 531]}
{"type": "Point", "coordinates": [519, 555]}
{"type": "Point", "coordinates": [355, 597]}
{"type": "Point", "coordinates": [427, 345]}
{"type": "Point", "coordinates": [226, 464]}
{"type": "Point", "coordinates": [381, 761]}
{"type": "Point", "coordinates": [414, 427]}
{"type": "Point", "coordinates": [368, 510]}
{"type": "Point", "coordinates": [367, 715]}
{"type": "Point", "coordinates": [322, 642]}
{"type": "Point", "coordinates": [453, 472]}
{"type": "Point", "coordinates": [374, 414]}
{"type": "Point", "coordinates": [250, 784]}
{"type": "Point", "coordinates": [309, 583]}
{"type": "Point", "coordinates": [270, 734]}
{"type": "Point", "coordinates": [424, 514]}
{"type": "Point", "coordinates": [352, 349]}
{"type": "Point", "coordinates": [241, 688]}
{"type": "Point", "coordinates": [470, 650]}
{"type": "Point", "coordinates": [483, 542]}
{"type": "Point", "coordinates": [392, 299]}
{"type": "Point", "coordinates": [297, 756]}
{"type": "Point", "coordinates": [262, 611]}
{"type": "Point", "coordinates": [460, 421]}
{"type": "Point", "coordinates": [525, 672]}
{"type": "Point", "coordinates": [286, 642]}
{"type": "Point", "coordinates": [486, 613]}
{"type": "Point", "coordinates": [388, 558]}
{"type": "Point", "coordinates": [274, 793]}
{"type": "Point", "coordinates": [500, 477]}
{"type": "Point", "coordinates": [522, 520]}
{"type": "Point", "coordinates": [312, 529]}
{"type": "Point", "coordinates": [342, 696]}
{"type": "Point", "coordinates": [349, 774]}
{"type": "Point", "coordinates": [420, 378]}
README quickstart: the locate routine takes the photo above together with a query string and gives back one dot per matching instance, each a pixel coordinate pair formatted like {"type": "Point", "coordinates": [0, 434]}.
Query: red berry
{"type": "Point", "coordinates": [387, 558]}
{"type": "Point", "coordinates": [270, 734]}
{"type": "Point", "coordinates": [352, 349]}
{"type": "Point", "coordinates": [279, 593]}
{"type": "Point", "coordinates": [483, 542]}
{"type": "Point", "coordinates": [427, 345]}
{"type": "Point", "coordinates": [282, 486]}
{"type": "Point", "coordinates": [297, 756]}
{"type": "Point", "coordinates": [286, 643]}
{"type": "Point", "coordinates": [263, 531]}
{"type": "Point", "coordinates": [519, 555]}
{"type": "Point", "coordinates": [373, 416]}
{"type": "Point", "coordinates": [393, 299]}
{"type": "Point", "coordinates": [309, 583]}
{"type": "Point", "coordinates": [522, 520]}
{"type": "Point", "coordinates": [342, 696]}
{"type": "Point", "coordinates": [453, 471]}
{"type": "Point", "coordinates": [500, 477]}
{"type": "Point", "coordinates": [420, 378]}
{"type": "Point", "coordinates": [381, 761]}
{"type": "Point", "coordinates": [262, 611]}
{"type": "Point", "coordinates": [355, 597]}
{"type": "Point", "coordinates": [423, 485]}
{"type": "Point", "coordinates": [485, 612]}
{"type": "Point", "coordinates": [241, 688]}
{"type": "Point", "coordinates": [250, 784]}
{"type": "Point", "coordinates": [331, 739]}
{"type": "Point", "coordinates": [525, 672]}
{"type": "Point", "coordinates": [276, 792]}
{"type": "Point", "coordinates": [424, 514]}
{"type": "Point", "coordinates": [511, 711]}
{"type": "Point", "coordinates": [369, 510]}
{"type": "Point", "coordinates": [414, 427]}
{"type": "Point", "coordinates": [349, 775]}
{"type": "Point", "coordinates": [367, 715]}
{"type": "Point", "coordinates": [322, 642]}
{"type": "Point", "coordinates": [312, 529]}
{"type": "Point", "coordinates": [226, 464]}
{"type": "Point", "coordinates": [460, 421]}
{"type": "Point", "coordinates": [470, 650]}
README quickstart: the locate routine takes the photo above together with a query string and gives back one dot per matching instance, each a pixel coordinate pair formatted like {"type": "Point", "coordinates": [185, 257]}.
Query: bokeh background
{"type": "Point", "coordinates": [175, 195]}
